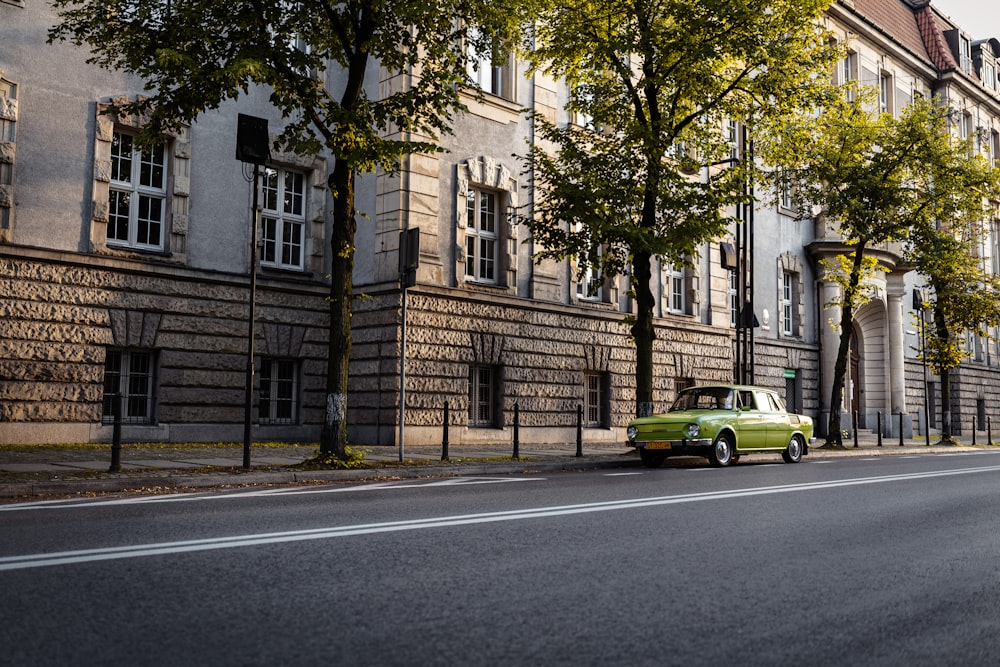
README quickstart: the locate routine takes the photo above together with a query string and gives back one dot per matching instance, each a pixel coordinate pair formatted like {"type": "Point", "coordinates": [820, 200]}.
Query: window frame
{"type": "Point", "coordinates": [484, 395]}
{"type": "Point", "coordinates": [596, 399]}
{"type": "Point", "coordinates": [481, 266]}
{"type": "Point", "coordinates": [8, 135]}
{"type": "Point", "coordinates": [482, 69]}
{"type": "Point", "coordinates": [139, 404]}
{"type": "Point", "coordinates": [676, 289]}
{"type": "Point", "coordinates": [788, 303]}
{"type": "Point", "coordinates": [277, 223]}
{"type": "Point", "coordinates": [136, 192]}
{"type": "Point", "coordinates": [270, 397]}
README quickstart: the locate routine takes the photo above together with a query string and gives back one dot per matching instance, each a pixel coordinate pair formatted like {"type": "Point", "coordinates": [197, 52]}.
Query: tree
{"type": "Point", "coordinates": [880, 179]}
{"type": "Point", "coordinates": [655, 83]}
{"type": "Point", "coordinates": [196, 54]}
{"type": "Point", "coordinates": [964, 297]}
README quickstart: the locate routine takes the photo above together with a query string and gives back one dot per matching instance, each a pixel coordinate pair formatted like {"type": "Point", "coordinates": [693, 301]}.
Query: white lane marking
{"type": "Point", "coordinates": [621, 474]}
{"type": "Point", "coordinates": [80, 503]}
{"type": "Point", "coordinates": [164, 548]}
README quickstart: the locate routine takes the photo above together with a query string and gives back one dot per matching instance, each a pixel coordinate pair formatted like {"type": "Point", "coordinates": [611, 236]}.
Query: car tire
{"type": "Point", "coordinates": [651, 459]}
{"type": "Point", "coordinates": [722, 451]}
{"type": "Point", "coordinates": [794, 452]}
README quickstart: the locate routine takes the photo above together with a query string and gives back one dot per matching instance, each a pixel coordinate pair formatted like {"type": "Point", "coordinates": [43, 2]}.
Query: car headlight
{"type": "Point", "coordinates": [632, 432]}
{"type": "Point", "coordinates": [692, 430]}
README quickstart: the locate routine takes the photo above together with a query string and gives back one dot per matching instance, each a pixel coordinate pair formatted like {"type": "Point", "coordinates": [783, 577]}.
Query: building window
{"type": "Point", "coordinates": [965, 54]}
{"type": "Point", "coordinates": [596, 399]}
{"type": "Point", "coordinates": [785, 191]}
{"type": "Point", "coordinates": [682, 383]}
{"type": "Point", "coordinates": [733, 139]}
{"type": "Point", "coordinates": [484, 395]}
{"type": "Point", "coordinates": [8, 120]}
{"type": "Point", "coordinates": [676, 288]}
{"type": "Point", "coordinates": [128, 374]}
{"type": "Point", "coordinates": [990, 75]}
{"type": "Point", "coordinates": [481, 238]}
{"type": "Point", "coordinates": [278, 391]}
{"type": "Point", "coordinates": [490, 75]}
{"type": "Point", "coordinates": [848, 74]}
{"type": "Point", "coordinates": [590, 281]}
{"type": "Point", "coordinates": [590, 285]}
{"type": "Point", "coordinates": [884, 89]}
{"type": "Point", "coordinates": [283, 219]}
{"type": "Point", "coordinates": [137, 195]}
{"type": "Point", "coordinates": [787, 303]}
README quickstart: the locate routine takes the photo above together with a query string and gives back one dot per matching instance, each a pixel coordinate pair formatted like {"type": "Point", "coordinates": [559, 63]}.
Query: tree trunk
{"type": "Point", "coordinates": [942, 332]}
{"type": "Point", "coordinates": [643, 333]}
{"type": "Point", "coordinates": [834, 436]}
{"type": "Point", "coordinates": [333, 439]}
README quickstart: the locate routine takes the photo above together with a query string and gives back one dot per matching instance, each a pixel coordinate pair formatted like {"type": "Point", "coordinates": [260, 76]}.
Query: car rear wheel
{"type": "Point", "coordinates": [794, 452]}
{"type": "Point", "coordinates": [722, 451]}
{"type": "Point", "coordinates": [651, 459]}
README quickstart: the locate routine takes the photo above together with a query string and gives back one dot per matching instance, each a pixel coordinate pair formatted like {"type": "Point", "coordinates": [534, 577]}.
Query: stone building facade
{"type": "Point", "coordinates": [103, 295]}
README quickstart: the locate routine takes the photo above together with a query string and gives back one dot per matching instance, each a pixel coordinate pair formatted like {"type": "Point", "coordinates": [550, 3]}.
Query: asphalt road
{"type": "Point", "coordinates": [888, 561]}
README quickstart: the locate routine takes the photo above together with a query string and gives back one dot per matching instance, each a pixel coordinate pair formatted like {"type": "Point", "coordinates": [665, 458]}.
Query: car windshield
{"type": "Point", "coordinates": [704, 398]}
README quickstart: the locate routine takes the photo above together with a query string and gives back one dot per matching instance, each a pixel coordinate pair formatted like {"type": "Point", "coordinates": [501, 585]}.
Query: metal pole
{"type": "Point", "coordinates": [750, 252]}
{"type": "Point", "coordinates": [117, 401]}
{"type": "Point", "coordinates": [989, 431]}
{"type": "Point", "coordinates": [444, 440]}
{"type": "Point", "coordinates": [973, 430]}
{"type": "Point", "coordinates": [900, 429]}
{"type": "Point", "coordinates": [579, 430]}
{"type": "Point", "coordinates": [248, 396]}
{"type": "Point", "coordinates": [402, 370]}
{"type": "Point", "coordinates": [517, 443]}
{"type": "Point", "coordinates": [879, 428]}
{"type": "Point", "coordinates": [855, 424]}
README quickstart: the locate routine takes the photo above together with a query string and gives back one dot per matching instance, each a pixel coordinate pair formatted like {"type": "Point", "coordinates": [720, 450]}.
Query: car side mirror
{"type": "Point", "coordinates": [746, 408]}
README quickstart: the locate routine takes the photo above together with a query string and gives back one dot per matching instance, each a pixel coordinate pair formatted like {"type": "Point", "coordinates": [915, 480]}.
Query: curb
{"type": "Point", "coordinates": [280, 477]}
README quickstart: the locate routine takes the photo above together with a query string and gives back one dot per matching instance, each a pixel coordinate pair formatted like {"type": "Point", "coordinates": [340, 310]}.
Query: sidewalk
{"type": "Point", "coordinates": [43, 470]}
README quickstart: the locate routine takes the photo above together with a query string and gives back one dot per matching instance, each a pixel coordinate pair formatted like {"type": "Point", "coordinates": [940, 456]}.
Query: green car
{"type": "Point", "coordinates": [720, 423]}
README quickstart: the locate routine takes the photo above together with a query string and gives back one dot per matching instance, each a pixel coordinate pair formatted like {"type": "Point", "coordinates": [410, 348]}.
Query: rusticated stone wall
{"type": "Point", "coordinates": [544, 350]}
{"type": "Point", "coordinates": [59, 314]}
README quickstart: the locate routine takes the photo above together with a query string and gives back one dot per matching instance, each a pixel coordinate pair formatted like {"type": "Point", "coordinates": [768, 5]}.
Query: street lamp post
{"type": "Point", "coordinates": [251, 147]}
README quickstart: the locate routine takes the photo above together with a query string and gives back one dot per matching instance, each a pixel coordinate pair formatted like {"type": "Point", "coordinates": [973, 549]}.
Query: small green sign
{"type": "Point", "coordinates": [790, 374]}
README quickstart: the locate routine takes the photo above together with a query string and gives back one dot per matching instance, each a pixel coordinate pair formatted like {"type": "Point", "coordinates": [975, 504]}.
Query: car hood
{"type": "Point", "coordinates": [681, 417]}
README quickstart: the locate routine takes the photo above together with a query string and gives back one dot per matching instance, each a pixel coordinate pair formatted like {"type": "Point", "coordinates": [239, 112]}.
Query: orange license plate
{"type": "Point", "coordinates": [658, 444]}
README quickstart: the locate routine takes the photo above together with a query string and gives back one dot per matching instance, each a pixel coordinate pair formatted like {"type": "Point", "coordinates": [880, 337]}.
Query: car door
{"type": "Point", "coordinates": [751, 432]}
{"type": "Point", "coordinates": [776, 418]}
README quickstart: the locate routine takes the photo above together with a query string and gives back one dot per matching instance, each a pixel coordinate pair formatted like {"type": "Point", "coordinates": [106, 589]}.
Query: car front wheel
{"type": "Point", "coordinates": [794, 452]}
{"type": "Point", "coordinates": [722, 451]}
{"type": "Point", "coordinates": [651, 459]}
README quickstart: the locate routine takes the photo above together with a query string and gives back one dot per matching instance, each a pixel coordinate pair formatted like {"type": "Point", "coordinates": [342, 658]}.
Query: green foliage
{"type": "Point", "coordinates": [352, 458]}
{"type": "Point", "coordinates": [653, 83]}
{"type": "Point", "coordinates": [196, 54]}
{"type": "Point", "coordinates": [855, 291]}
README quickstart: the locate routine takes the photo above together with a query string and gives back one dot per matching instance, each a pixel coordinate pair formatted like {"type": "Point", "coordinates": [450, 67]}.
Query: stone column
{"type": "Point", "coordinates": [897, 379]}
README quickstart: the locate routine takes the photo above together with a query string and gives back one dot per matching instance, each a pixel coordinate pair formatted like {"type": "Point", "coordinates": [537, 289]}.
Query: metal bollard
{"type": "Point", "coordinates": [579, 430]}
{"type": "Point", "coordinates": [900, 429]}
{"type": "Point", "coordinates": [989, 431]}
{"type": "Point", "coordinates": [444, 438]}
{"type": "Point", "coordinates": [879, 428]}
{"type": "Point", "coordinates": [973, 430]}
{"type": "Point", "coordinates": [855, 423]}
{"type": "Point", "coordinates": [117, 403]}
{"type": "Point", "coordinates": [517, 443]}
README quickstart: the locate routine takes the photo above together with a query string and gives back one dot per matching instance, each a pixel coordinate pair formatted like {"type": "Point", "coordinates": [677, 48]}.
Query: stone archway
{"type": "Point", "coordinates": [872, 381]}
